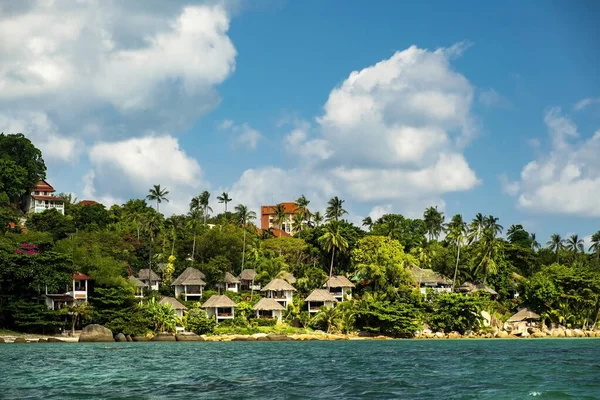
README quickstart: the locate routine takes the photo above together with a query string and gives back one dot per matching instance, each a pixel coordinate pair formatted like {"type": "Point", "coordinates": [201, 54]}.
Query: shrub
{"type": "Point", "coordinates": [198, 322]}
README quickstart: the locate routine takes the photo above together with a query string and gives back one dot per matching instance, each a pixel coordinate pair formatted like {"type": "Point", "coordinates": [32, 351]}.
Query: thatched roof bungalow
{"type": "Point", "coordinates": [279, 290]}
{"type": "Point", "coordinates": [219, 306]}
{"type": "Point", "coordinates": [429, 279]}
{"type": "Point", "coordinates": [189, 284]}
{"type": "Point", "coordinates": [340, 287]}
{"type": "Point", "coordinates": [268, 308]}
{"type": "Point", "coordinates": [319, 298]}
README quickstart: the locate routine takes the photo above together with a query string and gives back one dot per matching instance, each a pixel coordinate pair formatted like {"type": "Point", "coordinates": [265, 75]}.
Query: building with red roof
{"type": "Point", "coordinates": [88, 202]}
{"type": "Point", "coordinates": [42, 198]}
{"type": "Point", "coordinates": [267, 219]}
{"type": "Point", "coordinates": [77, 293]}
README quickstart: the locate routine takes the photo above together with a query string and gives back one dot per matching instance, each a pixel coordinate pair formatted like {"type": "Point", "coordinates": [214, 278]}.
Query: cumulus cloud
{"type": "Point", "coordinates": [584, 103]}
{"type": "Point", "coordinates": [509, 187]}
{"type": "Point", "coordinates": [392, 132]}
{"type": "Point", "coordinates": [566, 180]}
{"type": "Point", "coordinates": [244, 136]}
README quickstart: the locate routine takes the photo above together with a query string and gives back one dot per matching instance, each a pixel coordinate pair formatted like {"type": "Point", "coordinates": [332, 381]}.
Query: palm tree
{"type": "Point", "coordinates": [368, 222]}
{"type": "Point", "coordinates": [535, 245]}
{"type": "Point", "coordinates": [298, 222]}
{"type": "Point", "coordinates": [202, 202]}
{"type": "Point", "coordinates": [331, 240]}
{"type": "Point", "coordinates": [280, 215]}
{"type": "Point", "coordinates": [512, 231]}
{"type": "Point", "coordinates": [457, 234]}
{"type": "Point", "coordinates": [153, 225]}
{"type": "Point", "coordinates": [476, 227]}
{"type": "Point", "coordinates": [158, 194]}
{"type": "Point", "coordinates": [76, 311]}
{"type": "Point", "coordinates": [556, 244]}
{"type": "Point", "coordinates": [574, 243]}
{"type": "Point", "coordinates": [434, 222]}
{"type": "Point", "coordinates": [489, 249]}
{"type": "Point", "coordinates": [335, 209]}
{"type": "Point", "coordinates": [492, 224]}
{"type": "Point", "coordinates": [244, 216]}
{"type": "Point", "coordinates": [302, 206]}
{"type": "Point", "coordinates": [318, 218]}
{"type": "Point", "coordinates": [175, 223]}
{"type": "Point", "coordinates": [595, 247]}
{"type": "Point", "coordinates": [224, 198]}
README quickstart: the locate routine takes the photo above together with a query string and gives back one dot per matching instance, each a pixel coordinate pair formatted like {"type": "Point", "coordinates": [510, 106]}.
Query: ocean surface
{"type": "Point", "coordinates": [394, 369]}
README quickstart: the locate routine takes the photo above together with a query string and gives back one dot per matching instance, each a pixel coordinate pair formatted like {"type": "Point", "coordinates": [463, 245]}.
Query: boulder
{"type": "Point", "coordinates": [240, 339]}
{"type": "Point", "coordinates": [2, 340]}
{"type": "Point", "coordinates": [20, 340]}
{"type": "Point", "coordinates": [439, 335]}
{"type": "Point", "coordinates": [568, 333]}
{"type": "Point", "coordinates": [429, 335]}
{"type": "Point", "coordinates": [120, 338]}
{"type": "Point", "coordinates": [502, 335]}
{"type": "Point", "coordinates": [163, 337]}
{"type": "Point", "coordinates": [54, 340]}
{"type": "Point", "coordinates": [140, 338]}
{"type": "Point", "coordinates": [96, 333]}
{"type": "Point", "coordinates": [578, 333]}
{"type": "Point", "coordinates": [426, 331]}
{"type": "Point", "coordinates": [558, 332]}
{"type": "Point", "coordinates": [538, 334]}
{"type": "Point", "coordinates": [525, 334]}
{"type": "Point", "coordinates": [128, 337]}
{"type": "Point", "coordinates": [262, 339]}
{"type": "Point", "coordinates": [469, 333]}
{"type": "Point", "coordinates": [277, 337]}
{"type": "Point", "coordinates": [42, 340]}
{"type": "Point", "coordinates": [487, 318]}
{"type": "Point", "coordinates": [454, 335]}
{"type": "Point", "coordinates": [189, 337]}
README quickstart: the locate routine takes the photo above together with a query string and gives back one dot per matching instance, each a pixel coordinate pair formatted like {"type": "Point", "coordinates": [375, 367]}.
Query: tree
{"type": "Point", "coordinates": [335, 209]}
{"type": "Point", "coordinates": [409, 232]}
{"type": "Point", "coordinates": [491, 223]}
{"type": "Point", "coordinates": [516, 234]}
{"type": "Point", "coordinates": [575, 244]}
{"type": "Point", "coordinates": [455, 312]}
{"type": "Point", "coordinates": [51, 221]}
{"type": "Point", "coordinates": [162, 316]}
{"type": "Point", "coordinates": [204, 200]}
{"type": "Point", "coordinates": [476, 227]}
{"type": "Point", "coordinates": [318, 218]}
{"type": "Point", "coordinates": [158, 194]}
{"type": "Point", "coordinates": [153, 225]}
{"type": "Point", "coordinates": [77, 311]}
{"type": "Point", "coordinates": [198, 322]}
{"type": "Point", "coordinates": [298, 222]}
{"type": "Point", "coordinates": [556, 244]}
{"type": "Point", "coordinates": [332, 240]}
{"type": "Point", "coordinates": [280, 215]}
{"type": "Point", "coordinates": [488, 253]}
{"type": "Point", "coordinates": [224, 198]}
{"type": "Point", "coordinates": [244, 216]}
{"type": "Point", "coordinates": [535, 245]}
{"type": "Point", "coordinates": [595, 247]}
{"type": "Point", "coordinates": [327, 318]}
{"type": "Point", "coordinates": [301, 204]}
{"type": "Point", "coordinates": [434, 222]}
{"type": "Point", "coordinates": [368, 222]}
{"type": "Point", "coordinates": [457, 234]}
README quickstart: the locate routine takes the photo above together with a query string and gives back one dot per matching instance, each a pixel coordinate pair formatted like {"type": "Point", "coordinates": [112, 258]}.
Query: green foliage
{"type": "Point", "coordinates": [51, 221]}
{"type": "Point", "coordinates": [31, 316]}
{"type": "Point", "coordinates": [385, 317]}
{"type": "Point", "coordinates": [409, 232]}
{"type": "Point", "coordinates": [454, 312]}
{"type": "Point", "coordinates": [161, 315]}
{"type": "Point", "coordinates": [198, 322]}
{"type": "Point", "coordinates": [215, 269]}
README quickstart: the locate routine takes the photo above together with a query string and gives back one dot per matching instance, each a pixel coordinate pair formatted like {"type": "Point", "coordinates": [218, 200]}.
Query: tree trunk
{"type": "Point", "coordinates": [331, 266]}
{"type": "Point", "coordinates": [157, 203]}
{"type": "Point", "coordinates": [173, 246]}
{"type": "Point", "coordinates": [194, 245]}
{"type": "Point", "coordinates": [456, 267]}
{"type": "Point", "coordinates": [150, 265]}
{"type": "Point", "coordinates": [244, 249]}
{"type": "Point", "coordinates": [74, 323]}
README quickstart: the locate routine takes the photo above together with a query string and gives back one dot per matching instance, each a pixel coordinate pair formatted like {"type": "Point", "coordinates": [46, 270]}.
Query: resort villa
{"type": "Point", "coordinates": [138, 287]}
{"type": "Point", "coordinates": [177, 307]}
{"type": "Point", "coordinates": [268, 308]}
{"type": "Point", "coordinates": [229, 282]}
{"type": "Point", "coordinates": [247, 280]}
{"type": "Point", "coordinates": [42, 199]}
{"type": "Point", "coordinates": [469, 288]}
{"type": "Point", "coordinates": [77, 293]}
{"type": "Point", "coordinates": [279, 290]}
{"type": "Point", "coordinates": [291, 279]}
{"type": "Point", "coordinates": [149, 277]}
{"type": "Point", "coordinates": [267, 219]}
{"type": "Point", "coordinates": [429, 279]}
{"type": "Point", "coordinates": [220, 307]}
{"type": "Point", "coordinates": [189, 284]}
{"type": "Point", "coordinates": [319, 298]}
{"type": "Point", "coordinates": [340, 287]}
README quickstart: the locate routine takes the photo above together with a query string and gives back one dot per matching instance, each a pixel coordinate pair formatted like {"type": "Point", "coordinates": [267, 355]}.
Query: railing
{"type": "Point", "coordinates": [219, 315]}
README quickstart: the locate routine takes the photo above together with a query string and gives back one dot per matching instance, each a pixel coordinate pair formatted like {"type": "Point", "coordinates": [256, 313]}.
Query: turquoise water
{"type": "Point", "coordinates": [408, 369]}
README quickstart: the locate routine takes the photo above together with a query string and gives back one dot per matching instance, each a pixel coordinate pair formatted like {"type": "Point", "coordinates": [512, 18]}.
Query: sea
{"type": "Point", "coordinates": [365, 369]}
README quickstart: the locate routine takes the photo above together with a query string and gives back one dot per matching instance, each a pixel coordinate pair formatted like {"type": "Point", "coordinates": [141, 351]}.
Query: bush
{"type": "Point", "coordinates": [198, 322]}
{"type": "Point", "coordinates": [264, 321]}
{"type": "Point", "coordinates": [455, 312]}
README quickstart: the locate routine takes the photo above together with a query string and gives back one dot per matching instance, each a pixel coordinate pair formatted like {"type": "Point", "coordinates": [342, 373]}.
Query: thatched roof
{"type": "Point", "coordinates": [469, 287]}
{"type": "Point", "coordinates": [136, 281]}
{"type": "Point", "coordinates": [172, 301]}
{"type": "Point", "coordinates": [268, 305]}
{"type": "Point", "coordinates": [277, 285]}
{"type": "Point", "coordinates": [218, 300]}
{"type": "Point", "coordinates": [421, 275]}
{"type": "Point", "coordinates": [338, 281]}
{"type": "Point", "coordinates": [191, 276]}
{"type": "Point", "coordinates": [291, 279]}
{"type": "Point", "coordinates": [523, 315]}
{"type": "Point", "coordinates": [320, 295]}
{"type": "Point", "coordinates": [145, 272]}
{"type": "Point", "coordinates": [228, 278]}
{"type": "Point", "coordinates": [247, 275]}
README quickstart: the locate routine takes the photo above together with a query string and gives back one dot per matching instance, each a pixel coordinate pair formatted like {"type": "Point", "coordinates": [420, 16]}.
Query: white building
{"type": "Point", "coordinates": [220, 307]}
{"type": "Point", "coordinates": [340, 287]}
{"type": "Point", "coordinates": [229, 282]}
{"type": "Point", "coordinates": [138, 287]}
{"type": "Point", "coordinates": [279, 290]}
{"type": "Point", "coordinates": [189, 284]}
{"type": "Point", "coordinates": [268, 308]}
{"type": "Point", "coordinates": [42, 198]}
{"type": "Point", "coordinates": [76, 293]}
{"type": "Point", "coordinates": [149, 277]}
{"type": "Point", "coordinates": [318, 299]}
{"type": "Point", "coordinates": [178, 308]}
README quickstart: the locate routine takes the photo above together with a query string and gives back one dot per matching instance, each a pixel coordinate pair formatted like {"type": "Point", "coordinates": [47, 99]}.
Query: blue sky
{"type": "Point", "coordinates": [394, 106]}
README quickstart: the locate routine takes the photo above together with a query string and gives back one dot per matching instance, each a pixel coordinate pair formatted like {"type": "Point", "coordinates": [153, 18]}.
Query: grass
{"type": "Point", "coordinates": [283, 329]}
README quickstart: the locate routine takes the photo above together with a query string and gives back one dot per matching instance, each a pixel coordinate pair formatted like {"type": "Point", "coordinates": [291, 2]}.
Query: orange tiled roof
{"type": "Point", "coordinates": [39, 197]}
{"type": "Point", "coordinates": [289, 206]}
{"type": "Point", "coordinates": [43, 186]}
{"type": "Point", "coordinates": [88, 202]}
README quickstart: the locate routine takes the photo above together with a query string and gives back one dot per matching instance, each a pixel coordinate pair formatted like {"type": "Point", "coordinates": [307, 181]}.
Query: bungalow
{"type": "Point", "coordinates": [429, 279]}
{"type": "Point", "coordinates": [469, 287]}
{"type": "Point", "coordinates": [42, 198]}
{"type": "Point", "coordinates": [219, 306]}
{"type": "Point", "coordinates": [285, 275]}
{"type": "Point", "coordinates": [340, 287]}
{"type": "Point", "coordinates": [189, 284]}
{"type": "Point", "coordinates": [268, 308]}
{"type": "Point", "coordinates": [77, 293]}
{"type": "Point", "coordinates": [149, 277]}
{"type": "Point", "coordinates": [247, 278]}
{"type": "Point", "coordinates": [319, 298]}
{"type": "Point", "coordinates": [177, 307]}
{"type": "Point", "coordinates": [138, 285]}
{"type": "Point", "coordinates": [229, 282]}
{"type": "Point", "coordinates": [279, 290]}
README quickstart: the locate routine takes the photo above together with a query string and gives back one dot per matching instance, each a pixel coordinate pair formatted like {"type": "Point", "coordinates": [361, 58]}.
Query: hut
{"type": "Point", "coordinates": [280, 290]}
{"type": "Point", "coordinates": [319, 298]}
{"type": "Point", "coordinates": [524, 314]}
{"type": "Point", "coordinates": [177, 307]}
{"type": "Point", "coordinates": [247, 278]}
{"type": "Point", "coordinates": [138, 285]}
{"type": "Point", "coordinates": [149, 277]}
{"type": "Point", "coordinates": [469, 287]}
{"type": "Point", "coordinates": [189, 284]}
{"type": "Point", "coordinates": [229, 282]}
{"type": "Point", "coordinates": [429, 279]}
{"type": "Point", "coordinates": [219, 306]}
{"type": "Point", "coordinates": [340, 287]}
{"type": "Point", "coordinates": [268, 308]}
{"type": "Point", "coordinates": [287, 276]}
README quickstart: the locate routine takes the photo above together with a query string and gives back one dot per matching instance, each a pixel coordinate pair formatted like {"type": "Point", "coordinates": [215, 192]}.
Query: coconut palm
{"type": "Point", "coordinates": [556, 243]}
{"type": "Point", "coordinates": [457, 233]}
{"type": "Point", "coordinates": [158, 194]}
{"type": "Point", "coordinates": [434, 222]}
{"type": "Point", "coordinates": [335, 209]}
{"type": "Point", "coordinates": [488, 251]}
{"type": "Point", "coordinates": [280, 215]}
{"type": "Point", "coordinates": [595, 247]}
{"type": "Point", "coordinates": [328, 316]}
{"type": "Point", "coordinates": [368, 222]}
{"type": "Point", "coordinates": [298, 222]}
{"type": "Point", "coordinates": [224, 198]}
{"type": "Point", "coordinates": [476, 227]}
{"type": "Point", "coordinates": [331, 240]}
{"type": "Point", "coordinates": [574, 243]}
{"type": "Point", "coordinates": [492, 224]}
{"type": "Point", "coordinates": [204, 200]}
{"type": "Point", "coordinates": [244, 216]}
{"type": "Point", "coordinates": [318, 218]}
{"type": "Point", "coordinates": [77, 311]}
{"type": "Point", "coordinates": [535, 245]}
{"type": "Point", "coordinates": [153, 224]}
{"type": "Point", "coordinates": [302, 206]}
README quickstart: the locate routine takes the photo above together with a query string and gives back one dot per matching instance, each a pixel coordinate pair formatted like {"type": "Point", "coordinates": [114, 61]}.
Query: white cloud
{"type": "Point", "coordinates": [491, 98]}
{"type": "Point", "coordinates": [509, 187]}
{"type": "Point", "coordinates": [244, 136]}
{"type": "Point", "coordinates": [567, 179]}
{"type": "Point", "coordinates": [392, 132]}
{"type": "Point", "coordinates": [584, 103]}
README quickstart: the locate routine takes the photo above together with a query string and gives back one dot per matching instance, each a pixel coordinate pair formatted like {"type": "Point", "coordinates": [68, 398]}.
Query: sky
{"type": "Point", "coordinates": [490, 107]}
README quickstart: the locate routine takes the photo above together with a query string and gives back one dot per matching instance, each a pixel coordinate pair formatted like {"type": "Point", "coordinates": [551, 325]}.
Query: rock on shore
{"type": "Point", "coordinates": [96, 333]}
